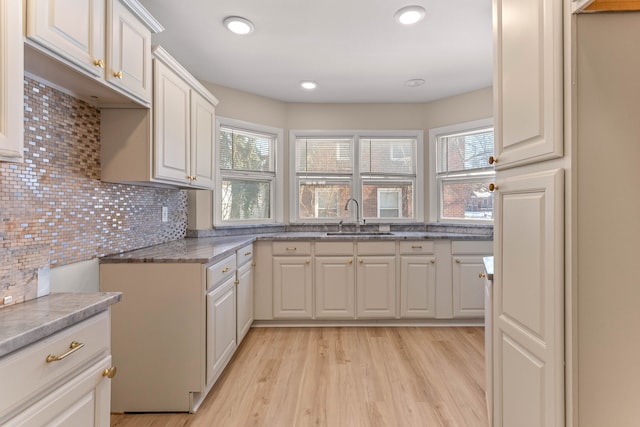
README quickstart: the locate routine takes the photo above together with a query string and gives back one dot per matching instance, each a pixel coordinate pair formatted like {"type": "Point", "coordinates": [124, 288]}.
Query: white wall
{"type": "Point", "coordinates": [608, 216]}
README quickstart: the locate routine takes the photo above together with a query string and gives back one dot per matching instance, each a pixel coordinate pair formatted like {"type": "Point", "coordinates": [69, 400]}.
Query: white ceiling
{"type": "Point", "coordinates": [354, 49]}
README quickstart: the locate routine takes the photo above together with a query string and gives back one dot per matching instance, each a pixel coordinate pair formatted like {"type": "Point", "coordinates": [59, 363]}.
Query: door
{"type": "Point", "coordinates": [335, 287]}
{"type": "Point", "coordinates": [221, 328]}
{"type": "Point", "coordinates": [468, 286]}
{"type": "Point", "coordinates": [203, 118]}
{"type": "Point", "coordinates": [292, 288]}
{"type": "Point", "coordinates": [73, 29]}
{"type": "Point", "coordinates": [376, 287]}
{"type": "Point", "coordinates": [418, 287]}
{"type": "Point", "coordinates": [129, 61]}
{"type": "Point", "coordinates": [245, 300]}
{"type": "Point", "coordinates": [528, 340]}
{"type": "Point", "coordinates": [171, 109]}
{"type": "Point", "coordinates": [528, 99]}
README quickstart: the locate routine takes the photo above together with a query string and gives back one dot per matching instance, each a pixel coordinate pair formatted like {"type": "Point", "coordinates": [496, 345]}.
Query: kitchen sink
{"type": "Point", "coordinates": [359, 233]}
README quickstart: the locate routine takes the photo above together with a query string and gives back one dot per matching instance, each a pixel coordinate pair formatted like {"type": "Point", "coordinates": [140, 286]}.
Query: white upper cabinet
{"type": "Point", "coordinates": [11, 81]}
{"type": "Point", "coordinates": [108, 41]}
{"type": "Point", "coordinates": [73, 29]}
{"type": "Point", "coordinates": [184, 124]}
{"type": "Point", "coordinates": [528, 116]}
{"type": "Point", "coordinates": [129, 48]}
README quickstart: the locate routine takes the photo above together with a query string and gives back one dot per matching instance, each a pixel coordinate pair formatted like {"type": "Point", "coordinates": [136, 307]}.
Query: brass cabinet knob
{"type": "Point", "coordinates": [492, 187]}
{"type": "Point", "coordinates": [236, 282]}
{"type": "Point", "coordinates": [98, 63]}
{"type": "Point", "coordinates": [482, 275]}
{"type": "Point", "coordinates": [253, 264]}
{"type": "Point", "coordinates": [118, 75]}
{"type": "Point", "coordinates": [110, 373]}
{"type": "Point", "coordinates": [493, 160]}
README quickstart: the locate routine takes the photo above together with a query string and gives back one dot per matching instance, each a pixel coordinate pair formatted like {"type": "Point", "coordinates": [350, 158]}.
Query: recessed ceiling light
{"type": "Point", "coordinates": [414, 82]}
{"type": "Point", "coordinates": [410, 14]}
{"type": "Point", "coordinates": [238, 25]}
{"type": "Point", "coordinates": [309, 84]}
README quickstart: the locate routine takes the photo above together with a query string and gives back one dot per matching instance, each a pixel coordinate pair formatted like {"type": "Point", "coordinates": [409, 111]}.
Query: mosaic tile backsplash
{"type": "Point", "coordinates": [54, 210]}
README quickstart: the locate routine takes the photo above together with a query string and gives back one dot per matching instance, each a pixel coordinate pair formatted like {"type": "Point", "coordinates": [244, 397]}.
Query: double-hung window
{"type": "Point", "coordinates": [247, 173]}
{"type": "Point", "coordinates": [378, 169]}
{"type": "Point", "coordinates": [462, 171]}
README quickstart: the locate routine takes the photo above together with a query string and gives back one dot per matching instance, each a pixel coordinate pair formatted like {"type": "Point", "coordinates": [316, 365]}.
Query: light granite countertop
{"type": "Point", "coordinates": [25, 323]}
{"type": "Point", "coordinates": [206, 250]}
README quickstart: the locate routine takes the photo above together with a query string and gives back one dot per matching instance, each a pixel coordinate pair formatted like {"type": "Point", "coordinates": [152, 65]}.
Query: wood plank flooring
{"type": "Point", "coordinates": [291, 377]}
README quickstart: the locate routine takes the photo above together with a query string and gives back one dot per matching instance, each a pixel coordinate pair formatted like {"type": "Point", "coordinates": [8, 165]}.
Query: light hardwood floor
{"type": "Point", "coordinates": [291, 377]}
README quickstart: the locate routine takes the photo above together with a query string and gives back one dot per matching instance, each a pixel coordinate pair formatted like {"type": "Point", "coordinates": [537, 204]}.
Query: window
{"type": "Point", "coordinates": [247, 173]}
{"type": "Point", "coordinates": [461, 172]}
{"type": "Point", "coordinates": [379, 169]}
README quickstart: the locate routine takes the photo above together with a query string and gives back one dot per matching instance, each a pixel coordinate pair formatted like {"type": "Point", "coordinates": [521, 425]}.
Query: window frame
{"type": "Point", "coordinates": [275, 177]}
{"type": "Point", "coordinates": [435, 187]}
{"type": "Point", "coordinates": [355, 179]}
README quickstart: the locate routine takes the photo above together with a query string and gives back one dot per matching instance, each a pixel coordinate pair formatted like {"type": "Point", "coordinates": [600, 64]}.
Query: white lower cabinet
{"type": "Point", "coordinates": [417, 286]}
{"type": "Point", "coordinates": [468, 277]}
{"type": "Point", "coordinates": [72, 391]}
{"type": "Point", "coordinates": [292, 282]}
{"type": "Point", "coordinates": [244, 299]}
{"type": "Point", "coordinates": [221, 328]}
{"type": "Point", "coordinates": [334, 287]}
{"type": "Point", "coordinates": [468, 286]}
{"type": "Point", "coordinates": [376, 280]}
{"type": "Point", "coordinates": [174, 339]}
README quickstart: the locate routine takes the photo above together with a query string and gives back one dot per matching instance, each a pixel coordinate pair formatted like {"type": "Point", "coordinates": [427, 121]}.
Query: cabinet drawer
{"type": "Point", "coordinates": [417, 247]}
{"type": "Point", "coordinates": [244, 255]}
{"type": "Point", "coordinates": [376, 248]}
{"type": "Point", "coordinates": [28, 371]}
{"type": "Point", "coordinates": [334, 248]}
{"type": "Point", "coordinates": [291, 248]}
{"type": "Point", "coordinates": [219, 272]}
{"type": "Point", "coordinates": [473, 247]}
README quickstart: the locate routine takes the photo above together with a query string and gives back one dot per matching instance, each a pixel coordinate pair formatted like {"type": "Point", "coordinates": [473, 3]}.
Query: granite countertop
{"type": "Point", "coordinates": [207, 250]}
{"type": "Point", "coordinates": [25, 323]}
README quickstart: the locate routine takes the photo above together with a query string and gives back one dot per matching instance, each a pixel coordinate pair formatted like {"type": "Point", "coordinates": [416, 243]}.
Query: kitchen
{"type": "Point", "coordinates": [66, 203]}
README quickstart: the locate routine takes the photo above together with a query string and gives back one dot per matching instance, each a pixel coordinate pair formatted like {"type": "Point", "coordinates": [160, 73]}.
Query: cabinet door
{"type": "Point", "coordinates": [528, 315]}
{"type": "Point", "coordinates": [221, 328]}
{"type": "Point", "coordinates": [244, 290]}
{"type": "Point", "coordinates": [72, 29]}
{"type": "Point", "coordinates": [82, 401]}
{"type": "Point", "coordinates": [335, 287]}
{"type": "Point", "coordinates": [292, 288]}
{"type": "Point", "coordinates": [528, 113]}
{"type": "Point", "coordinates": [468, 286]}
{"type": "Point", "coordinates": [129, 48]}
{"type": "Point", "coordinates": [171, 111]}
{"type": "Point", "coordinates": [417, 287]}
{"type": "Point", "coordinates": [203, 118]}
{"type": "Point", "coordinates": [376, 287]}
{"type": "Point", "coordinates": [11, 81]}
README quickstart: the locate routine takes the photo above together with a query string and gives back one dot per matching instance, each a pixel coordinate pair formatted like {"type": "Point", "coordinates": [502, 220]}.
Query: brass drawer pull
{"type": "Point", "coordinates": [225, 270]}
{"type": "Point", "coordinates": [73, 347]}
{"type": "Point", "coordinates": [118, 75]}
{"type": "Point", "coordinates": [98, 63]}
{"type": "Point", "coordinates": [416, 247]}
{"type": "Point", "coordinates": [481, 275]}
{"type": "Point", "coordinates": [247, 253]}
{"type": "Point", "coordinates": [292, 249]}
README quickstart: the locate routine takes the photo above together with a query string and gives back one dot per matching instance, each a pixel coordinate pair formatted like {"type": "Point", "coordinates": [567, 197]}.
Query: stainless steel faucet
{"type": "Point", "coordinates": [346, 207]}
